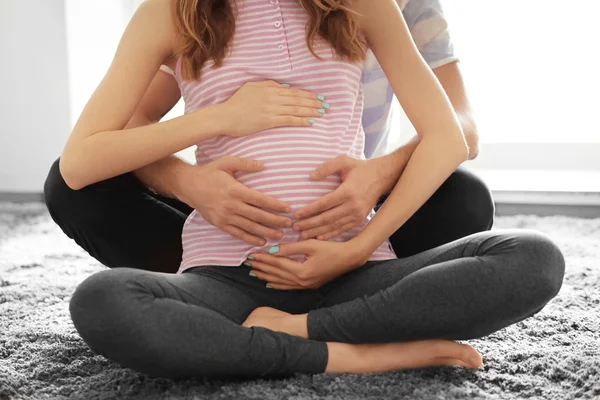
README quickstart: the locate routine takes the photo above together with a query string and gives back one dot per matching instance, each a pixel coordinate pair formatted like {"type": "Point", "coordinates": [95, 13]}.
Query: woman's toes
{"type": "Point", "coordinates": [475, 359]}
{"type": "Point", "coordinates": [450, 350]}
{"type": "Point", "coordinates": [468, 355]}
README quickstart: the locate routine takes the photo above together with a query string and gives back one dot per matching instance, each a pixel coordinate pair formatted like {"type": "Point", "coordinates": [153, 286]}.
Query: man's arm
{"type": "Point", "coordinates": [163, 176]}
{"type": "Point", "coordinates": [451, 80]}
{"type": "Point", "coordinates": [430, 32]}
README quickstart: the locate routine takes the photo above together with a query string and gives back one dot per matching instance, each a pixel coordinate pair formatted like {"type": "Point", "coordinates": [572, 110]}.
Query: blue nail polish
{"type": "Point", "coordinates": [322, 111]}
{"type": "Point", "coordinates": [251, 258]}
{"type": "Point", "coordinates": [286, 84]}
{"type": "Point", "coordinates": [246, 264]}
{"type": "Point", "coordinates": [321, 98]}
{"type": "Point", "coordinates": [274, 250]}
{"type": "Point", "coordinates": [325, 105]}
{"type": "Point", "coordinates": [269, 287]}
{"type": "Point", "coordinates": [252, 274]}
{"type": "Point", "coordinates": [311, 121]}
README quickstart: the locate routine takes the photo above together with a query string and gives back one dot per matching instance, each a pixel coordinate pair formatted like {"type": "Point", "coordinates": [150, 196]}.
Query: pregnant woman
{"type": "Point", "coordinates": [292, 305]}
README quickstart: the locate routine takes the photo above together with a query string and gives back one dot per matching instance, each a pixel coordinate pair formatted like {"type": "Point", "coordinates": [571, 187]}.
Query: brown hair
{"type": "Point", "coordinates": [205, 29]}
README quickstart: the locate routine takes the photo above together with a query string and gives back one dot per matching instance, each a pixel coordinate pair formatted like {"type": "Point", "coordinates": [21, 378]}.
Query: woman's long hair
{"type": "Point", "coordinates": [205, 29]}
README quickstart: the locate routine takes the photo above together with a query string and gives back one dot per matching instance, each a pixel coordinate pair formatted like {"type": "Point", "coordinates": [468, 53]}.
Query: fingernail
{"type": "Point", "coordinates": [269, 287]}
{"type": "Point", "coordinates": [311, 121]}
{"type": "Point", "coordinates": [274, 250]}
{"type": "Point", "coordinates": [251, 258]}
{"type": "Point", "coordinates": [252, 274]}
{"type": "Point", "coordinates": [321, 111]}
{"type": "Point", "coordinates": [325, 105]}
{"type": "Point", "coordinates": [320, 97]}
{"type": "Point", "coordinates": [286, 84]}
{"type": "Point", "coordinates": [246, 264]}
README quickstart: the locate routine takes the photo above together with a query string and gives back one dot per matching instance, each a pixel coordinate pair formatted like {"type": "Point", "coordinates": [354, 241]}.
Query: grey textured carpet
{"type": "Point", "coordinates": [554, 355]}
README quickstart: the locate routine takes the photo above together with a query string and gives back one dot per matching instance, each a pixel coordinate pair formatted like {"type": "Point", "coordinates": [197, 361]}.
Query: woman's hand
{"type": "Point", "coordinates": [258, 106]}
{"type": "Point", "coordinates": [325, 261]}
{"type": "Point", "coordinates": [364, 182]}
{"type": "Point", "coordinates": [229, 205]}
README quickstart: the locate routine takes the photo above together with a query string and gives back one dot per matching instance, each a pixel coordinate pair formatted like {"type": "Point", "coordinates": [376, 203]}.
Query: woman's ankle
{"type": "Point", "coordinates": [345, 358]}
{"type": "Point", "coordinates": [295, 325]}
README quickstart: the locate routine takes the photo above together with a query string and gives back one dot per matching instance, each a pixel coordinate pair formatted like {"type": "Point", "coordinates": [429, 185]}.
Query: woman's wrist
{"type": "Point", "coordinates": [360, 249]}
{"type": "Point", "coordinates": [215, 120]}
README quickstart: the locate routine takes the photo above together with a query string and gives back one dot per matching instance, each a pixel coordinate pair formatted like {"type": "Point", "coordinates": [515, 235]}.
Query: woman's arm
{"type": "Point", "coordinates": [99, 148]}
{"type": "Point", "coordinates": [160, 98]}
{"type": "Point", "coordinates": [166, 176]}
{"type": "Point", "coordinates": [429, 28]}
{"type": "Point", "coordinates": [442, 147]}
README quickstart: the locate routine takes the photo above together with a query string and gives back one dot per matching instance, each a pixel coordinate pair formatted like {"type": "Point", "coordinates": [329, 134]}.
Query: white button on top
{"type": "Point", "coordinates": [277, 24]}
{"type": "Point", "coordinates": [273, 2]}
{"type": "Point", "coordinates": [280, 47]}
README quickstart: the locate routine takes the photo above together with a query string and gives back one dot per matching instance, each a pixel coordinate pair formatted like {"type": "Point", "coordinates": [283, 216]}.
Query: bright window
{"type": "Point", "coordinates": [531, 73]}
{"type": "Point", "coordinates": [531, 67]}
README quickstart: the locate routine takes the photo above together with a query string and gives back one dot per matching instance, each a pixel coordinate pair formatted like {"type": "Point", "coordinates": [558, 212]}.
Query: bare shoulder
{"type": "Point", "coordinates": [375, 15]}
{"type": "Point", "coordinates": [369, 7]}
{"type": "Point", "coordinates": [154, 20]}
{"type": "Point", "coordinates": [157, 6]}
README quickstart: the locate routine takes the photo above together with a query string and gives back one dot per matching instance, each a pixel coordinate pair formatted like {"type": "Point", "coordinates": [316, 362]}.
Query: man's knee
{"type": "Point", "coordinates": [56, 191]}
{"type": "Point", "coordinates": [468, 196]}
{"type": "Point", "coordinates": [75, 207]}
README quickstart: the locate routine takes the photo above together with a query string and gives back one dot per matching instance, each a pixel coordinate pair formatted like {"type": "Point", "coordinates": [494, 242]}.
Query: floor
{"type": "Point", "coordinates": [553, 355]}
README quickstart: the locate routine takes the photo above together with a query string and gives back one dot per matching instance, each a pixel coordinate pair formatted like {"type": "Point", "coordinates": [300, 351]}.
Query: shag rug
{"type": "Point", "coordinates": [553, 355]}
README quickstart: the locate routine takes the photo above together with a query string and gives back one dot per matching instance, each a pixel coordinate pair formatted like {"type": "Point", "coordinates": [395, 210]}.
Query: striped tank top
{"type": "Point", "coordinates": [270, 43]}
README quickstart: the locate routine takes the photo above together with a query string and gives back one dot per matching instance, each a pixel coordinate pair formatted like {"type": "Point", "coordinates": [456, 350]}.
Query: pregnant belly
{"type": "Point", "coordinates": [289, 181]}
{"type": "Point", "coordinates": [289, 156]}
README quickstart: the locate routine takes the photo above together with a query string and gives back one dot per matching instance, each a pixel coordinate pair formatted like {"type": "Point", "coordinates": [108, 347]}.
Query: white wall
{"type": "Point", "coordinates": [34, 94]}
{"type": "Point", "coordinates": [94, 28]}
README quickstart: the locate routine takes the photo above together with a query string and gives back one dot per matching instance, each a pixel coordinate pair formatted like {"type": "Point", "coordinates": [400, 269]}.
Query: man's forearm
{"type": "Point", "coordinates": [467, 123]}
{"type": "Point", "coordinates": [164, 176]}
{"type": "Point", "coordinates": [450, 77]}
{"type": "Point", "coordinates": [394, 163]}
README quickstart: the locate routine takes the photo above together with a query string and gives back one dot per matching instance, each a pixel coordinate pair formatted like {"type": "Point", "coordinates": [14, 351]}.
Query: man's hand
{"type": "Point", "coordinates": [229, 205]}
{"type": "Point", "coordinates": [364, 182]}
{"type": "Point", "coordinates": [325, 261]}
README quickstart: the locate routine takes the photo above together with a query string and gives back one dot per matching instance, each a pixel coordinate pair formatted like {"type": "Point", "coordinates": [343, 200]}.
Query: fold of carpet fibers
{"type": "Point", "coordinates": [553, 355]}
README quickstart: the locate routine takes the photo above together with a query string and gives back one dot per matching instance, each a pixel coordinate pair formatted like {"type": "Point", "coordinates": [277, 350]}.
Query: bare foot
{"type": "Point", "coordinates": [366, 358]}
{"type": "Point", "coordinates": [265, 317]}
{"type": "Point", "coordinates": [278, 321]}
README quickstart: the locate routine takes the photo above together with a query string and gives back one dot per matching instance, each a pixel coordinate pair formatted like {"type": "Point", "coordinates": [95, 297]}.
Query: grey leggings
{"type": "Point", "coordinates": [189, 324]}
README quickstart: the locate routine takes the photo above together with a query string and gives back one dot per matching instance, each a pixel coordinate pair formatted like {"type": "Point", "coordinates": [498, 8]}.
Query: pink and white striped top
{"type": "Point", "coordinates": [270, 43]}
